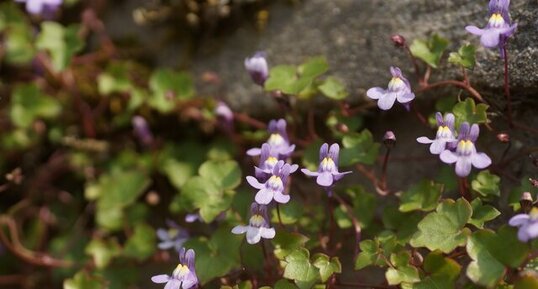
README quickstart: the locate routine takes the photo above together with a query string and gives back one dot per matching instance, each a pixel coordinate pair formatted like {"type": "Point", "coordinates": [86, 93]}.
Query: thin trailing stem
{"type": "Point", "coordinates": [461, 84]}
{"type": "Point", "coordinates": [279, 217]}
{"type": "Point", "coordinates": [383, 182]}
{"type": "Point", "coordinates": [354, 221]}
{"type": "Point", "coordinates": [464, 189]}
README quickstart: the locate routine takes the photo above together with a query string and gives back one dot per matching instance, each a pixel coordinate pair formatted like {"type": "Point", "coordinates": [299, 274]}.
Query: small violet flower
{"type": "Point", "coordinates": [445, 134]}
{"type": "Point", "coordinates": [174, 237]}
{"type": "Point", "coordinates": [258, 226]}
{"type": "Point", "coordinates": [527, 224]}
{"type": "Point", "coordinates": [327, 172]}
{"type": "Point", "coordinates": [499, 27]}
{"type": "Point", "coordinates": [268, 160]}
{"type": "Point", "coordinates": [184, 276]}
{"type": "Point", "coordinates": [257, 68]}
{"type": "Point", "coordinates": [465, 155]}
{"type": "Point", "coordinates": [141, 130]}
{"type": "Point", "coordinates": [398, 89]}
{"type": "Point", "coordinates": [225, 114]}
{"type": "Point", "coordinates": [41, 6]}
{"type": "Point", "coordinates": [278, 140]}
{"type": "Point", "coordinates": [275, 186]}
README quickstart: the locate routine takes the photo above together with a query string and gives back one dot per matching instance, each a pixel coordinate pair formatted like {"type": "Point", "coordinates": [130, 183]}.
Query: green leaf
{"type": "Point", "coordinates": [284, 284]}
{"type": "Point", "coordinates": [141, 245]}
{"type": "Point", "coordinates": [515, 194]}
{"type": "Point", "coordinates": [442, 272]}
{"type": "Point", "coordinates": [364, 204]}
{"type": "Point", "coordinates": [283, 78]}
{"type": "Point", "coordinates": [17, 34]}
{"type": "Point", "coordinates": [444, 229]}
{"type": "Point", "coordinates": [423, 196]}
{"type": "Point", "coordinates": [313, 67]}
{"type": "Point", "coordinates": [490, 258]}
{"type": "Point", "coordinates": [289, 214]}
{"type": "Point", "coordinates": [370, 254]}
{"type": "Point", "coordinates": [464, 57]}
{"type": "Point", "coordinates": [336, 120]}
{"type": "Point", "coordinates": [402, 272]}
{"type": "Point", "coordinates": [327, 266]}
{"type": "Point", "coordinates": [61, 42]}
{"type": "Point", "coordinates": [359, 148]}
{"type": "Point", "coordinates": [333, 89]}
{"type": "Point", "coordinates": [29, 104]}
{"type": "Point", "coordinates": [103, 251]}
{"type": "Point", "coordinates": [487, 184]}
{"type": "Point", "coordinates": [121, 188]}
{"type": "Point", "coordinates": [528, 281]}
{"type": "Point", "coordinates": [482, 213]}
{"type": "Point", "coordinates": [225, 174]}
{"type": "Point", "coordinates": [178, 172]}
{"type": "Point", "coordinates": [291, 80]}
{"type": "Point", "coordinates": [404, 224]}
{"type": "Point", "coordinates": [431, 50]}
{"type": "Point", "coordinates": [468, 111]}
{"type": "Point", "coordinates": [83, 280]}
{"type": "Point", "coordinates": [167, 86]}
{"type": "Point", "coordinates": [311, 155]}
{"type": "Point", "coordinates": [287, 242]}
{"type": "Point", "coordinates": [298, 266]}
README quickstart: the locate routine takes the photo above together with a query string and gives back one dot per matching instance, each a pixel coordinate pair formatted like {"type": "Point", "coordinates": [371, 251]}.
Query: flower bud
{"type": "Point", "coordinates": [526, 202]}
{"type": "Point", "coordinates": [503, 137]}
{"type": "Point", "coordinates": [389, 139]}
{"type": "Point", "coordinates": [398, 40]}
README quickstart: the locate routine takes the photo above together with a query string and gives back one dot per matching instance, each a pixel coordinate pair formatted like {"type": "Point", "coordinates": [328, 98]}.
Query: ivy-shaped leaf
{"type": "Point", "coordinates": [442, 272]}
{"type": "Point", "coordinates": [431, 50]}
{"type": "Point", "coordinates": [444, 229]}
{"type": "Point", "coordinates": [142, 243]}
{"type": "Point", "coordinates": [482, 213]}
{"type": "Point", "coordinates": [359, 148]}
{"type": "Point", "coordinates": [464, 57]}
{"type": "Point", "coordinates": [167, 86]}
{"type": "Point", "coordinates": [423, 196]}
{"type": "Point", "coordinates": [486, 184]}
{"type": "Point", "coordinates": [402, 272]}
{"type": "Point", "coordinates": [333, 89]}
{"type": "Point", "coordinates": [226, 174]}
{"type": "Point", "coordinates": [61, 42]}
{"type": "Point", "coordinates": [29, 104]}
{"type": "Point", "coordinates": [327, 266]}
{"type": "Point", "coordinates": [83, 280]}
{"type": "Point", "coordinates": [298, 267]}
{"type": "Point", "coordinates": [287, 242]}
{"type": "Point", "coordinates": [490, 258]}
{"type": "Point", "coordinates": [296, 80]}
{"type": "Point", "coordinates": [103, 251]}
{"type": "Point", "coordinates": [468, 111]}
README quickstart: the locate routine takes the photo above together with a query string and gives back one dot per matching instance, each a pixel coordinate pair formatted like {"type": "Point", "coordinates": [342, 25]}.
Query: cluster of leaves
{"type": "Point", "coordinates": [91, 193]}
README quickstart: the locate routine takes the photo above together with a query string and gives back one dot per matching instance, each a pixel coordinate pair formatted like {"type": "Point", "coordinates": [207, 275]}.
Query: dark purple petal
{"type": "Point", "coordinates": [334, 151]}
{"type": "Point", "coordinates": [439, 119]}
{"type": "Point", "coordinates": [463, 167]}
{"type": "Point", "coordinates": [480, 160]}
{"type": "Point", "coordinates": [190, 256]}
{"type": "Point", "coordinates": [464, 131]}
{"type": "Point", "coordinates": [323, 151]}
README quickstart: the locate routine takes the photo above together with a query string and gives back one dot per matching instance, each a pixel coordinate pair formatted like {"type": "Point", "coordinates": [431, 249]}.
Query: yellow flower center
{"type": "Point", "coordinates": [396, 83]}
{"type": "Point", "coordinates": [271, 161]}
{"type": "Point", "coordinates": [496, 20]}
{"type": "Point", "coordinates": [257, 220]}
{"type": "Point", "coordinates": [275, 139]}
{"type": "Point", "coordinates": [181, 270]}
{"type": "Point", "coordinates": [327, 164]}
{"type": "Point", "coordinates": [465, 147]}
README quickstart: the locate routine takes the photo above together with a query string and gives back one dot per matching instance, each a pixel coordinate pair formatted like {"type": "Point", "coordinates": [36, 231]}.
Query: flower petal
{"type": "Point", "coordinates": [162, 234]}
{"type": "Point", "coordinates": [267, 233]}
{"type": "Point", "coordinates": [166, 245]}
{"type": "Point", "coordinates": [475, 131]}
{"type": "Point", "coordinates": [189, 256]}
{"type": "Point", "coordinates": [463, 167]}
{"type": "Point", "coordinates": [474, 30]}
{"type": "Point", "coordinates": [522, 234]}
{"type": "Point", "coordinates": [254, 152]}
{"type": "Point", "coordinates": [448, 157]}
{"type": "Point", "coordinates": [532, 230]}
{"type": "Point", "coordinates": [189, 281]}
{"type": "Point", "coordinates": [375, 92]}
{"type": "Point", "coordinates": [437, 146]}
{"type": "Point", "coordinates": [160, 278]}
{"type": "Point", "coordinates": [406, 97]}
{"type": "Point", "coordinates": [480, 160]}
{"type": "Point", "coordinates": [519, 220]}
{"type": "Point", "coordinates": [254, 183]}
{"type": "Point", "coordinates": [490, 38]}
{"type": "Point", "coordinates": [264, 196]}
{"type": "Point", "coordinates": [325, 179]}
{"type": "Point", "coordinates": [424, 140]}
{"type": "Point", "coordinates": [387, 101]}
{"type": "Point", "coordinates": [309, 173]}
{"type": "Point", "coordinates": [281, 198]}
{"type": "Point", "coordinates": [173, 284]}
{"type": "Point", "coordinates": [253, 235]}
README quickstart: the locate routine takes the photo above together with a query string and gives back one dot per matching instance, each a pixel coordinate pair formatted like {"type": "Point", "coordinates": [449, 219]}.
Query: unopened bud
{"type": "Point", "coordinates": [417, 259]}
{"type": "Point", "coordinates": [534, 182]}
{"type": "Point", "coordinates": [503, 137]}
{"type": "Point", "coordinates": [342, 128]}
{"type": "Point", "coordinates": [389, 139]}
{"type": "Point", "coordinates": [398, 40]}
{"type": "Point", "coordinates": [526, 202]}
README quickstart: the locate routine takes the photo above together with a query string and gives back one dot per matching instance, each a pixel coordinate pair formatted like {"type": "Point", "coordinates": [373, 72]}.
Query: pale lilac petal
{"type": "Point", "coordinates": [254, 152]}
{"type": "Point", "coordinates": [190, 256]}
{"type": "Point", "coordinates": [475, 131]}
{"type": "Point", "coordinates": [395, 71]}
{"type": "Point", "coordinates": [532, 230]}
{"type": "Point", "coordinates": [439, 118]}
{"type": "Point", "coordinates": [281, 198]}
{"type": "Point", "coordinates": [474, 30]}
{"type": "Point", "coordinates": [449, 120]}
{"type": "Point", "coordinates": [519, 220]}
{"type": "Point", "coordinates": [437, 146]}
{"type": "Point", "coordinates": [34, 6]}
{"type": "Point", "coordinates": [253, 235]}
{"type": "Point", "coordinates": [376, 93]}
{"type": "Point", "coordinates": [448, 157]}
{"type": "Point", "coordinates": [309, 173]}
{"type": "Point", "coordinates": [339, 175]}
{"type": "Point", "coordinates": [424, 140]}
{"type": "Point", "coordinates": [293, 168]}
{"type": "Point", "coordinates": [490, 38]}
{"type": "Point", "coordinates": [173, 284]}
{"type": "Point", "coordinates": [166, 245]}
{"type": "Point", "coordinates": [386, 102]}
{"type": "Point", "coordinates": [264, 196]}
{"type": "Point", "coordinates": [406, 97]}
{"type": "Point", "coordinates": [267, 233]}
{"type": "Point", "coordinates": [334, 152]}
{"type": "Point", "coordinates": [325, 179]}
{"type": "Point", "coordinates": [522, 235]}
{"type": "Point", "coordinates": [480, 160]}
{"type": "Point", "coordinates": [189, 281]}
{"type": "Point", "coordinates": [463, 167]}
{"type": "Point", "coordinates": [160, 278]}
{"type": "Point", "coordinates": [323, 151]}
{"type": "Point", "coordinates": [162, 234]}
{"type": "Point", "coordinates": [254, 183]}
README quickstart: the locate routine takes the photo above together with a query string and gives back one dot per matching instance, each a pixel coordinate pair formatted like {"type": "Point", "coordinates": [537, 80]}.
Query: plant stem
{"type": "Point", "coordinates": [507, 86]}
{"type": "Point", "coordinates": [354, 221]}
{"type": "Point", "coordinates": [383, 182]}
{"type": "Point", "coordinates": [464, 189]}
{"type": "Point", "coordinates": [278, 214]}
{"type": "Point", "coordinates": [456, 83]}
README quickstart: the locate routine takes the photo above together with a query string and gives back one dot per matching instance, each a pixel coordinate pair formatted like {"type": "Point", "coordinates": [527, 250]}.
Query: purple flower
{"type": "Point", "coordinates": [498, 28]}
{"type": "Point", "coordinates": [327, 172]}
{"type": "Point", "coordinates": [398, 89]}
{"type": "Point", "coordinates": [445, 134]}
{"type": "Point", "coordinates": [278, 140]}
{"type": "Point", "coordinates": [41, 6]}
{"type": "Point", "coordinates": [268, 160]}
{"type": "Point", "coordinates": [225, 114]}
{"type": "Point", "coordinates": [465, 155]}
{"type": "Point", "coordinates": [184, 276]}
{"type": "Point", "coordinates": [258, 226]}
{"type": "Point", "coordinates": [275, 186]}
{"type": "Point", "coordinates": [141, 130]}
{"type": "Point", "coordinates": [257, 68]}
{"type": "Point", "coordinates": [174, 237]}
{"type": "Point", "coordinates": [527, 224]}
